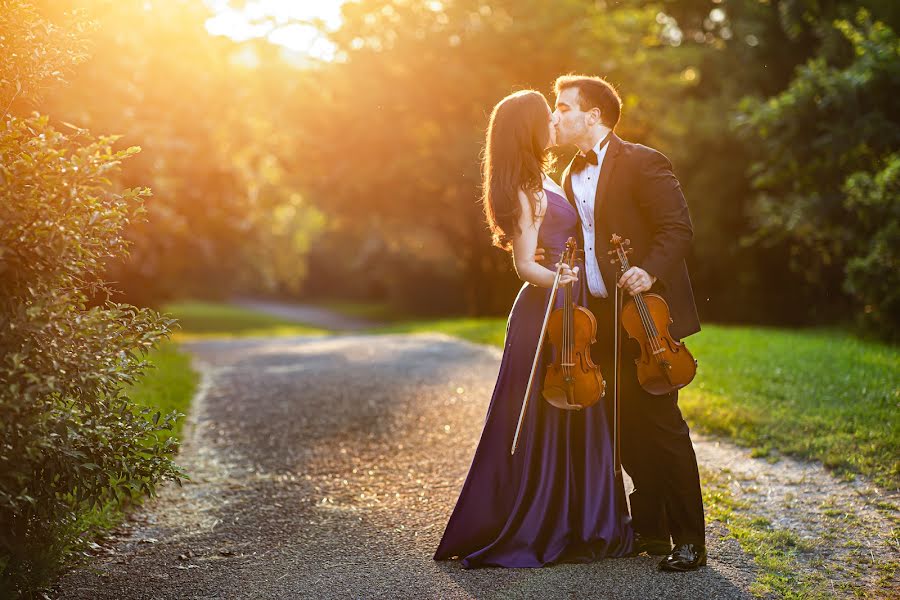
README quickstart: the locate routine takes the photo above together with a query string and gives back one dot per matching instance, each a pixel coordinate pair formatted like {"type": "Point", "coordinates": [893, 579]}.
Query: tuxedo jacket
{"type": "Point", "coordinates": [639, 198]}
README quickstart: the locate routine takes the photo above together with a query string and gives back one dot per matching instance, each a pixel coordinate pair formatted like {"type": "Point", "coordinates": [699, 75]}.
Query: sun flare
{"type": "Point", "coordinates": [284, 22]}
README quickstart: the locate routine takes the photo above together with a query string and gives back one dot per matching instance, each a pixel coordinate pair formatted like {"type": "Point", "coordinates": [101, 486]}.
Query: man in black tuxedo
{"type": "Point", "coordinates": [630, 189]}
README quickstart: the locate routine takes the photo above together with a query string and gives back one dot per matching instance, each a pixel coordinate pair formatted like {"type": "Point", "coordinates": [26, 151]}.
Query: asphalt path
{"type": "Point", "coordinates": [327, 467]}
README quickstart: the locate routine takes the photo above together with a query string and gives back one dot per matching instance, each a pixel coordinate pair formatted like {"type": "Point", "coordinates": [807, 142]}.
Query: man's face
{"type": "Point", "coordinates": [571, 122]}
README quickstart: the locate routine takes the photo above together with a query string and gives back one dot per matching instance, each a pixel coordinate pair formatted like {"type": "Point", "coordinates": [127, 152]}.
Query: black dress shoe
{"type": "Point", "coordinates": [685, 557]}
{"type": "Point", "coordinates": [651, 545]}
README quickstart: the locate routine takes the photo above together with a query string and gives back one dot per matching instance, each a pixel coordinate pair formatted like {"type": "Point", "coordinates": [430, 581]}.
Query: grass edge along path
{"type": "Point", "coordinates": [815, 394]}
{"type": "Point", "coordinates": [774, 551]}
{"type": "Point", "coordinates": [210, 320]}
{"type": "Point", "coordinates": [818, 395]}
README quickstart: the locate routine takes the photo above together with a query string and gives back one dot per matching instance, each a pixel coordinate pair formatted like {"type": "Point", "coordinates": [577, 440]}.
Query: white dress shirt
{"type": "Point", "coordinates": [584, 186]}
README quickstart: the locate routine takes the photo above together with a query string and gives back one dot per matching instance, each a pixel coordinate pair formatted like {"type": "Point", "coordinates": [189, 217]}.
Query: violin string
{"type": "Point", "coordinates": [565, 319]}
{"type": "Point", "coordinates": [647, 321]}
{"type": "Point", "coordinates": [652, 336]}
{"type": "Point", "coordinates": [643, 311]}
{"type": "Point", "coordinates": [645, 315]}
{"type": "Point", "coordinates": [565, 329]}
{"type": "Point", "coordinates": [562, 350]}
{"type": "Point", "coordinates": [570, 320]}
{"type": "Point", "coordinates": [653, 328]}
{"type": "Point", "coordinates": [572, 356]}
{"type": "Point", "coordinates": [623, 261]}
{"type": "Point", "coordinates": [649, 315]}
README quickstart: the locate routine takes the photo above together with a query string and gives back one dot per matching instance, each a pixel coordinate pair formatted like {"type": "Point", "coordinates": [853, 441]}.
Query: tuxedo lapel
{"type": "Point", "coordinates": [606, 171]}
{"type": "Point", "coordinates": [567, 185]}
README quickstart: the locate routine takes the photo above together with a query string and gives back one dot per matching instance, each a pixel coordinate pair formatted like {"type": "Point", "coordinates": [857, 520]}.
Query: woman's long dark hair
{"type": "Point", "coordinates": [514, 157]}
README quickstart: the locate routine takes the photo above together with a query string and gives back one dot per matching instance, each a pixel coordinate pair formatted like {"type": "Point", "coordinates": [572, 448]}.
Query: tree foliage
{"type": "Point", "coordinates": [400, 118]}
{"type": "Point", "coordinates": [827, 169]}
{"type": "Point", "coordinates": [226, 213]}
{"type": "Point", "coordinates": [873, 264]}
{"type": "Point", "coordinates": [360, 177]}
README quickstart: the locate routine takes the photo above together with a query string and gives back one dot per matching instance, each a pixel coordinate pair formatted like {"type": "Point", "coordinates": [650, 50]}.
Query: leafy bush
{"type": "Point", "coordinates": [873, 272]}
{"type": "Point", "coordinates": [828, 176]}
{"type": "Point", "coordinates": [70, 438]}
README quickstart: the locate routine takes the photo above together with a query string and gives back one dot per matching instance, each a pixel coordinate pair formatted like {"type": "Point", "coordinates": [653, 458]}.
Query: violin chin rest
{"type": "Point", "coordinates": [558, 398]}
{"type": "Point", "coordinates": [554, 395]}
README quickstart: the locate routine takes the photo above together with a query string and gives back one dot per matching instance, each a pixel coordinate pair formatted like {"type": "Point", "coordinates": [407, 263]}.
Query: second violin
{"type": "Point", "coordinates": [665, 363]}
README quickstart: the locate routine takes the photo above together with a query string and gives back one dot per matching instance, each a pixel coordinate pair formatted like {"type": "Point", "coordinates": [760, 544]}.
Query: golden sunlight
{"type": "Point", "coordinates": [288, 23]}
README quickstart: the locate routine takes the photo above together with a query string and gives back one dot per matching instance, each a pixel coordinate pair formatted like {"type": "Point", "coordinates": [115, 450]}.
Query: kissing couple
{"type": "Point", "coordinates": [558, 499]}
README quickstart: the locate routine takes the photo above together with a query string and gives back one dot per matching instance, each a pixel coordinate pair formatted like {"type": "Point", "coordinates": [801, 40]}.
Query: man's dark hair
{"type": "Point", "coordinates": [594, 91]}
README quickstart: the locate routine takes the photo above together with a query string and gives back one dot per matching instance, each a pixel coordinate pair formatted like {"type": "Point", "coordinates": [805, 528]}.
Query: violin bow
{"type": "Point", "coordinates": [537, 354]}
{"type": "Point", "coordinates": [617, 361]}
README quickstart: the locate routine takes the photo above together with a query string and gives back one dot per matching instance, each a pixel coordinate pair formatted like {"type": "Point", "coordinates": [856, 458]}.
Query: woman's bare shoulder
{"type": "Point", "coordinates": [527, 200]}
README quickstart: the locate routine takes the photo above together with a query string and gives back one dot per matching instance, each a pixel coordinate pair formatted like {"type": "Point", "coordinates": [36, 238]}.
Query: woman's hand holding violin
{"type": "Point", "coordinates": [568, 275]}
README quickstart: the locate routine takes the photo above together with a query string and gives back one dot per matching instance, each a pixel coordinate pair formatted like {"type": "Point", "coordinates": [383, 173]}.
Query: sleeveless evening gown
{"type": "Point", "coordinates": [555, 500]}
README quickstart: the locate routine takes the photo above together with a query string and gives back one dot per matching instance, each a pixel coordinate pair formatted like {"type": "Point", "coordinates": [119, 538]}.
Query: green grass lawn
{"type": "Point", "coordinates": [823, 395]}
{"type": "Point", "coordinates": [168, 384]}
{"type": "Point", "coordinates": [817, 394]}
{"type": "Point", "coordinates": [211, 320]}
{"type": "Point", "coordinates": [380, 312]}
{"type": "Point", "coordinates": [490, 331]}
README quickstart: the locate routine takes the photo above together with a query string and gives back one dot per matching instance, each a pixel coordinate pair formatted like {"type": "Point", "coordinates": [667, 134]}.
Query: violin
{"type": "Point", "coordinates": [572, 381]}
{"type": "Point", "coordinates": [665, 364]}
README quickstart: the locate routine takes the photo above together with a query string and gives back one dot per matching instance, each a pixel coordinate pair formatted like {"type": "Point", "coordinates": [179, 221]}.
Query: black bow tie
{"type": "Point", "coordinates": [581, 161]}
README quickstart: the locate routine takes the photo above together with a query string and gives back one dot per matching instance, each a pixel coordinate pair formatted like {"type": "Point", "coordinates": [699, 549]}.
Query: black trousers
{"type": "Point", "coordinates": [656, 447]}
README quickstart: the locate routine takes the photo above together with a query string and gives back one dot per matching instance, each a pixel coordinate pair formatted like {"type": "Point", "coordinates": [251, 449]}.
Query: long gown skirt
{"type": "Point", "coordinates": [556, 499]}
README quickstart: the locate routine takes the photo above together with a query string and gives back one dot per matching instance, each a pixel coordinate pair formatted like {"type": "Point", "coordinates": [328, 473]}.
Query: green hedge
{"type": "Point", "coordinates": [71, 439]}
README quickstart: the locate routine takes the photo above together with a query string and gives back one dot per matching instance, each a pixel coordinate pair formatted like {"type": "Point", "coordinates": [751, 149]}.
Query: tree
{"type": "Point", "coordinates": [829, 141]}
{"type": "Point", "coordinates": [393, 151]}
{"type": "Point", "coordinates": [208, 112]}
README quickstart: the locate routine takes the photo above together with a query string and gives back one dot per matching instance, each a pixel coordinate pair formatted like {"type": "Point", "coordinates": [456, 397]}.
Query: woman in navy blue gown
{"type": "Point", "coordinates": [555, 500]}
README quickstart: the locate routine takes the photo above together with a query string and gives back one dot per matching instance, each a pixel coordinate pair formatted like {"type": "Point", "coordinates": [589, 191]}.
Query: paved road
{"type": "Point", "coordinates": [327, 468]}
